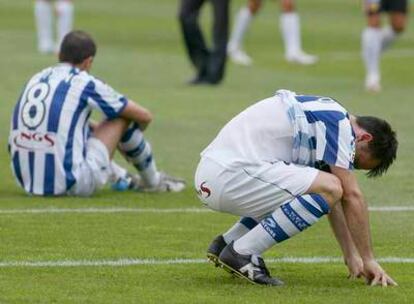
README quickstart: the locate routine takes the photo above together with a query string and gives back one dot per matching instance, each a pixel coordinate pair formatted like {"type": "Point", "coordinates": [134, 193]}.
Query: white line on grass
{"type": "Point", "coordinates": [105, 210]}
{"type": "Point", "coordinates": [158, 210]}
{"type": "Point", "coordinates": [132, 262]}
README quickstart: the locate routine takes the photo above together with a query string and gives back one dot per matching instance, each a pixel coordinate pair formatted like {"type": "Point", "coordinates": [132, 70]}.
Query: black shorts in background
{"type": "Point", "coordinates": [377, 6]}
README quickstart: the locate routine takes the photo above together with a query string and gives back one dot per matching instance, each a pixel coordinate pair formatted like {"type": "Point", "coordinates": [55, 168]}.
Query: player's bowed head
{"type": "Point", "coordinates": [375, 144]}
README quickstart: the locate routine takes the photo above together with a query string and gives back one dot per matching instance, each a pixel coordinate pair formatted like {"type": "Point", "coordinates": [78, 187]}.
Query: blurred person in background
{"type": "Point", "coordinates": [45, 11]}
{"type": "Point", "coordinates": [208, 62]}
{"type": "Point", "coordinates": [289, 27]}
{"type": "Point", "coordinates": [376, 38]}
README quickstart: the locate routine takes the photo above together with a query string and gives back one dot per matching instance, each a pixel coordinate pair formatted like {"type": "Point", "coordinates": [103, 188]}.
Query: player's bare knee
{"type": "Point", "coordinates": [254, 6]}
{"type": "Point", "coordinates": [330, 189]}
{"type": "Point", "coordinates": [333, 190]}
{"type": "Point", "coordinates": [328, 186]}
{"type": "Point", "coordinates": [287, 6]}
{"type": "Point", "coordinates": [398, 28]}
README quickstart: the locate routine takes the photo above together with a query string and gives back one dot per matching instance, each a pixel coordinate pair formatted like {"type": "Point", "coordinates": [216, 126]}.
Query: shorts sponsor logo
{"type": "Point", "coordinates": [34, 140]}
{"type": "Point", "coordinates": [204, 190]}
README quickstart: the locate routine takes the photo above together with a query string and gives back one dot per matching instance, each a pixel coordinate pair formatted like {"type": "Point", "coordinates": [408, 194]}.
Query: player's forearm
{"type": "Point", "coordinates": [138, 114]}
{"type": "Point", "coordinates": [342, 234]}
{"type": "Point", "coordinates": [357, 218]}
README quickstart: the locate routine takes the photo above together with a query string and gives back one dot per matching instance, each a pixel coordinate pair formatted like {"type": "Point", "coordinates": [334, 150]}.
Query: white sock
{"type": "Point", "coordinates": [290, 28]}
{"type": "Point", "coordinates": [371, 49]}
{"type": "Point", "coordinates": [44, 18]}
{"type": "Point", "coordinates": [257, 241]}
{"type": "Point", "coordinates": [241, 24]}
{"type": "Point", "coordinates": [287, 221]}
{"type": "Point", "coordinates": [64, 9]}
{"type": "Point", "coordinates": [239, 229]}
{"type": "Point", "coordinates": [117, 172]}
{"type": "Point", "coordinates": [388, 37]}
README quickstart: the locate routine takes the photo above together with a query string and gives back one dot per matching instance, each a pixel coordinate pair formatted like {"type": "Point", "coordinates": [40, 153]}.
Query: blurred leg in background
{"type": "Point", "coordinates": [218, 54]}
{"type": "Point", "coordinates": [209, 63]}
{"type": "Point", "coordinates": [289, 27]}
{"type": "Point", "coordinates": [44, 11]}
{"type": "Point", "coordinates": [291, 34]}
{"type": "Point", "coordinates": [193, 38]}
{"type": "Point", "coordinates": [376, 39]}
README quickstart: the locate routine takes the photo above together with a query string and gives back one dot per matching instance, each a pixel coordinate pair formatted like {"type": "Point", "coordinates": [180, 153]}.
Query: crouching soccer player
{"type": "Point", "coordinates": [263, 166]}
{"type": "Point", "coordinates": [54, 146]}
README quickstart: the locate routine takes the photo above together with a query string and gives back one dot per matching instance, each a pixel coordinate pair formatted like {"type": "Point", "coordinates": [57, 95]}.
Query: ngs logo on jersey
{"type": "Point", "coordinates": [34, 140]}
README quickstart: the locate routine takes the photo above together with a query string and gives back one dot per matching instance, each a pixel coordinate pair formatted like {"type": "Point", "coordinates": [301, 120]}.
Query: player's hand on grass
{"type": "Point", "coordinates": [375, 275]}
{"type": "Point", "coordinates": [355, 266]}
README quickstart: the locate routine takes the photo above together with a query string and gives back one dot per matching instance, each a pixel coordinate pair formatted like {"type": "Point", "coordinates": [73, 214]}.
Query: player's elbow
{"type": "Point", "coordinates": [146, 118]}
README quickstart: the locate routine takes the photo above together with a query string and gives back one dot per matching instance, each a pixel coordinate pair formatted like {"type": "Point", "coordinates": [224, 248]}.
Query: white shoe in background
{"type": "Point", "coordinates": [372, 83]}
{"type": "Point", "coordinates": [302, 58]}
{"type": "Point", "coordinates": [238, 56]}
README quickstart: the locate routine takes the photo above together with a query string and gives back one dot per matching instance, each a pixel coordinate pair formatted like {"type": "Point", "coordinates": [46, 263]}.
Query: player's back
{"type": "Point", "coordinates": [49, 130]}
{"type": "Point", "coordinates": [286, 127]}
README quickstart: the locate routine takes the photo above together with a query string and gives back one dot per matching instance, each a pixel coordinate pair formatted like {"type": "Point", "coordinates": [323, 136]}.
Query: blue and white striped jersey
{"type": "Point", "coordinates": [322, 130]}
{"type": "Point", "coordinates": [304, 130]}
{"type": "Point", "coordinates": [49, 127]}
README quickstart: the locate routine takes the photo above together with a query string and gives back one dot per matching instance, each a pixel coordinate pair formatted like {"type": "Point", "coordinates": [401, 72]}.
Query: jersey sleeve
{"type": "Point", "coordinates": [104, 98]}
{"type": "Point", "coordinates": [336, 143]}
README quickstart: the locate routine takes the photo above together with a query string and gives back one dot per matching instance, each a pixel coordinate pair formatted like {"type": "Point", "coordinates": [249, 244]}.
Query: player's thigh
{"type": "Point", "coordinates": [94, 171]}
{"type": "Point", "coordinates": [256, 191]}
{"type": "Point", "coordinates": [109, 132]}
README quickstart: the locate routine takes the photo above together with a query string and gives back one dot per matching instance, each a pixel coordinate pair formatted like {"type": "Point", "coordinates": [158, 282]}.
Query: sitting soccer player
{"type": "Point", "coordinates": [289, 26]}
{"type": "Point", "coordinates": [44, 15]}
{"type": "Point", "coordinates": [263, 166]}
{"type": "Point", "coordinates": [376, 39]}
{"type": "Point", "coordinates": [55, 148]}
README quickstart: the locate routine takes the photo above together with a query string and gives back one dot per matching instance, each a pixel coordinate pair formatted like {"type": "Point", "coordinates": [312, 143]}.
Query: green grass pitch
{"type": "Point", "coordinates": [140, 54]}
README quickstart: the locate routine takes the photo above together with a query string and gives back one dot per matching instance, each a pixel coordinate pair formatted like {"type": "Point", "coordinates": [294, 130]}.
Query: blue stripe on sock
{"type": "Point", "coordinates": [248, 222]}
{"type": "Point", "coordinates": [275, 231]}
{"type": "Point", "coordinates": [144, 165]}
{"type": "Point", "coordinates": [136, 151]}
{"type": "Point", "coordinates": [321, 202]}
{"type": "Point", "coordinates": [294, 217]}
{"type": "Point", "coordinates": [308, 206]}
{"type": "Point", "coordinates": [127, 135]}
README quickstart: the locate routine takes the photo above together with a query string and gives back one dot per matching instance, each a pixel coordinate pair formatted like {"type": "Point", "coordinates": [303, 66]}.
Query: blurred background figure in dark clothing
{"type": "Point", "coordinates": [209, 62]}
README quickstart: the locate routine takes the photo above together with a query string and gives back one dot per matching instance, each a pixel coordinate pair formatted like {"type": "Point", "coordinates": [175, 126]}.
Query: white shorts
{"type": "Point", "coordinates": [94, 172]}
{"type": "Point", "coordinates": [255, 190]}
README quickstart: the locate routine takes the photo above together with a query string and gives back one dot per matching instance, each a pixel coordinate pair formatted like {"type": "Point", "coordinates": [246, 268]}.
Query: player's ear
{"type": "Point", "coordinates": [365, 136]}
{"type": "Point", "coordinates": [87, 64]}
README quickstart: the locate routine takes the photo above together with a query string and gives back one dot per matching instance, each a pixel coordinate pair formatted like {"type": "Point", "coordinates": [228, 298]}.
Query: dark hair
{"type": "Point", "coordinates": [383, 145]}
{"type": "Point", "coordinates": [76, 47]}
